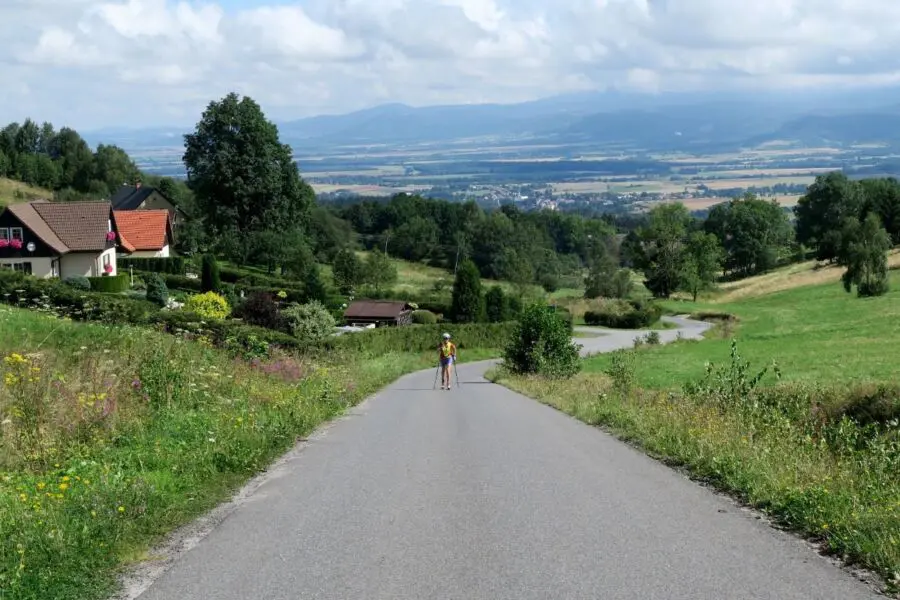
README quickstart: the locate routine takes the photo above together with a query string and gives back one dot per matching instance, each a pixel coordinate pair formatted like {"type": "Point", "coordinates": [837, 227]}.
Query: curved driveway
{"type": "Point", "coordinates": [480, 493]}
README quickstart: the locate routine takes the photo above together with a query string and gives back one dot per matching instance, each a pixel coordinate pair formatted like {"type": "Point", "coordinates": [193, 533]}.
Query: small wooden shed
{"type": "Point", "coordinates": [380, 312]}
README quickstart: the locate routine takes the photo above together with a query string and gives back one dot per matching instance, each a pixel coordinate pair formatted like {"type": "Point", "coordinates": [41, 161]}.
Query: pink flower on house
{"type": "Point", "coordinates": [4, 243]}
{"type": "Point", "coordinates": [17, 244]}
{"type": "Point", "coordinates": [111, 236]}
{"type": "Point", "coordinates": [108, 268]}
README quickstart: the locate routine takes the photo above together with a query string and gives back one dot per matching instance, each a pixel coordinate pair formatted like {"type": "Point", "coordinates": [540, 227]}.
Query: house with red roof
{"type": "Point", "coordinates": [144, 233]}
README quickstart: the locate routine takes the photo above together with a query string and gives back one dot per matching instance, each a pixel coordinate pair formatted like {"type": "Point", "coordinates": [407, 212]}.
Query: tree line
{"type": "Point", "coordinates": [249, 204]}
{"type": "Point", "coordinates": [62, 161]}
{"type": "Point", "coordinates": [851, 223]}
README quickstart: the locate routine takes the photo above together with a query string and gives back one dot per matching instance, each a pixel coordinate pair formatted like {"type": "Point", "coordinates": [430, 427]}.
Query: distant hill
{"type": "Point", "coordinates": [689, 122]}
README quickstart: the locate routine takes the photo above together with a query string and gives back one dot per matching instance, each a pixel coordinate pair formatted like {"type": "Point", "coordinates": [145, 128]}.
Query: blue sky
{"type": "Point", "coordinates": [96, 63]}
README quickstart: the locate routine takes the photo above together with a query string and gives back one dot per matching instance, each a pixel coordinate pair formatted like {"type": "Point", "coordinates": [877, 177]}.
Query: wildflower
{"type": "Point", "coordinates": [63, 486]}
{"type": "Point", "coordinates": [41, 485]}
{"type": "Point", "coordinates": [121, 509]}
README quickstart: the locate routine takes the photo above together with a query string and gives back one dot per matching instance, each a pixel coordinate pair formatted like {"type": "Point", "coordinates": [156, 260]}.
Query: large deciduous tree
{"type": "Point", "coordinates": [864, 252]}
{"type": "Point", "coordinates": [702, 262]}
{"type": "Point", "coordinates": [244, 179]}
{"type": "Point", "coordinates": [753, 232]}
{"type": "Point", "coordinates": [822, 211]}
{"type": "Point", "coordinates": [664, 240]}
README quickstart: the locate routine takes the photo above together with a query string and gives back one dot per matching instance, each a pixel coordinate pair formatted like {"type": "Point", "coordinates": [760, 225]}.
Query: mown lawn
{"type": "Point", "coordinates": [816, 334]}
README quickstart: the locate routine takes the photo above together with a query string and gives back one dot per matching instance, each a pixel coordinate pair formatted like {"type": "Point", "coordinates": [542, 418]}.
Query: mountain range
{"type": "Point", "coordinates": [663, 122]}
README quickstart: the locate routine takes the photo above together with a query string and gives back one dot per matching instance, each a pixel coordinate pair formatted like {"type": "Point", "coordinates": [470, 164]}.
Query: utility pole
{"type": "Point", "coordinates": [456, 266]}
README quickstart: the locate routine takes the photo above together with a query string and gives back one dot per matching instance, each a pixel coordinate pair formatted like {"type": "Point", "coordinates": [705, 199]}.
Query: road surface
{"type": "Point", "coordinates": [480, 493]}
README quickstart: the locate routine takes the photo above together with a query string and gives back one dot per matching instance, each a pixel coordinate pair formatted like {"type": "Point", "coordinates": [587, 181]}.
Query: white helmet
{"type": "Point", "coordinates": [446, 336]}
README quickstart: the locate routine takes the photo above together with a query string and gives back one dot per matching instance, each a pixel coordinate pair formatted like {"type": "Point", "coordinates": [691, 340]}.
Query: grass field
{"type": "Point", "coordinates": [16, 191]}
{"type": "Point", "coordinates": [418, 278]}
{"type": "Point", "coordinates": [816, 333]}
{"type": "Point", "coordinates": [797, 275]}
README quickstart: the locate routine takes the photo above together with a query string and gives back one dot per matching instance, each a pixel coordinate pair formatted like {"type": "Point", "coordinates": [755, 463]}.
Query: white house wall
{"type": "Point", "coordinates": [163, 253]}
{"type": "Point", "coordinates": [40, 267]}
{"type": "Point", "coordinates": [86, 264]}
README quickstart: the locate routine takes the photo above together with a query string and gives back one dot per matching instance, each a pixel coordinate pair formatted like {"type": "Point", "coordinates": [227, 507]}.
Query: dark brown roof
{"type": "Point", "coordinates": [29, 217]}
{"type": "Point", "coordinates": [375, 309]}
{"type": "Point", "coordinates": [81, 226]}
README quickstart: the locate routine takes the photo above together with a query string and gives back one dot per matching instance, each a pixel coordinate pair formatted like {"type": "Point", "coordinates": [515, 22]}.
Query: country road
{"type": "Point", "coordinates": [480, 493]}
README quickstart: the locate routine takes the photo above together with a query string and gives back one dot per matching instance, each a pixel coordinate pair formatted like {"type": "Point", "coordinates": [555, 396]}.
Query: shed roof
{"type": "Point", "coordinates": [376, 309]}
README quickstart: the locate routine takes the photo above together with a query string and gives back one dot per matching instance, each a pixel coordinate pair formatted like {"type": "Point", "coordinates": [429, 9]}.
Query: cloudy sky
{"type": "Point", "coordinates": [93, 63]}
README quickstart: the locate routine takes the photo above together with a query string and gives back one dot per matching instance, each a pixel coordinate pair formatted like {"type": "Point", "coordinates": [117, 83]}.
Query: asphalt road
{"type": "Point", "coordinates": [480, 493]}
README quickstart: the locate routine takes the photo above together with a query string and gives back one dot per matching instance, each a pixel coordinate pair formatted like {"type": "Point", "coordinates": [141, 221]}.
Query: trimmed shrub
{"type": "Point", "coordinates": [157, 291]}
{"type": "Point", "coordinates": [232, 335]}
{"type": "Point", "coordinates": [79, 282]}
{"type": "Point", "coordinates": [541, 343]}
{"type": "Point", "coordinates": [209, 306]}
{"type": "Point", "coordinates": [180, 282]}
{"type": "Point", "coordinates": [621, 314]}
{"type": "Point", "coordinates": [209, 280]}
{"type": "Point", "coordinates": [309, 323]}
{"type": "Point", "coordinates": [261, 310]}
{"type": "Point", "coordinates": [110, 285]}
{"type": "Point", "coordinates": [173, 265]}
{"type": "Point", "coordinates": [424, 317]}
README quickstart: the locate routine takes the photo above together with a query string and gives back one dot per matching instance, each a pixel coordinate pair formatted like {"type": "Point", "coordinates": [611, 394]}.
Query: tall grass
{"type": "Point", "coordinates": [821, 460]}
{"type": "Point", "coordinates": [112, 436]}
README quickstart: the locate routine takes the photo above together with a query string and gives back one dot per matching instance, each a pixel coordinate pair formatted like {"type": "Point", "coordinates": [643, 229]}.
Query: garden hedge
{"type": "Point", "coordinates": [111, 285]}
{"type": "Point", "coordinates": [172, 265]}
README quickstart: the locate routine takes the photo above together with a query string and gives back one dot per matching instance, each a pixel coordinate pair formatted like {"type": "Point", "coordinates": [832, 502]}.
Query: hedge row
{"type": "Point", "coordinates": [422, 338]}
{"type": "Point", "coordinates": [621, 314]}
{"type": "Point", "coordinates": [115, 284]}
{"type": "Point", "coordinates": [173, 265]}
{"type": "Point", "coordinates": [55, 296]}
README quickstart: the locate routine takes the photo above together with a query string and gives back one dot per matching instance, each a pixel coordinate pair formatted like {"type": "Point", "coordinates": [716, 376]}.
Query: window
{"type": "Point", "coordinates": [4, 233]}
{"type": "Point", "coordinates": [24, 267]}
{"type": "Point", "coordinates": [15, 233]}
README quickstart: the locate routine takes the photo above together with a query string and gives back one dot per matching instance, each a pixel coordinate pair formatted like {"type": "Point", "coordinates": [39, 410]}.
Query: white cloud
{"type": "Point", "coordinates": [93, 63]}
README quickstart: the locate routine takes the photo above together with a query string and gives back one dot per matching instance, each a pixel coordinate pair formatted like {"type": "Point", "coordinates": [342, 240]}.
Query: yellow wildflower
{"type": "Point", "coordinates": [121, 509]}
{"type": "Point", "coordinates": [63, 486]}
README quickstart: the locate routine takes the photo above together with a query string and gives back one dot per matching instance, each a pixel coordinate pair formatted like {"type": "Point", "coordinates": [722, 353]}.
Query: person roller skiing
{"type": "Point", "coordinates": [447, 356]}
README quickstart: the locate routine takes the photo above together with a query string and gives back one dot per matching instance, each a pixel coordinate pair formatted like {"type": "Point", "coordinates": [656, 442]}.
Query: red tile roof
{"type": "Point", "coordinates": [142, 229]}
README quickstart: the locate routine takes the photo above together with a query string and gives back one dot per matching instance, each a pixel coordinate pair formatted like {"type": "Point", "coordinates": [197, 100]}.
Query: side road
{"type": "Point", "coordinates": [481, 493]}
